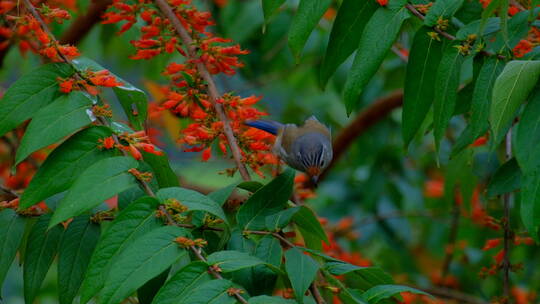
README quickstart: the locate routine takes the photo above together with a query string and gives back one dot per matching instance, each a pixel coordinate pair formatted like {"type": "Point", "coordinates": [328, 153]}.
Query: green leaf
{"type": "Point", "coordinates": [30, 93]}
{"type": "Point", "coordinates": [491, 27]}
{"type": "Point", "coordinates": [306, 220]}
{"type": "Point", "coordinates": [376, 294]}
{"type": "Point", "coordinates": [99, 182]}
{"type": "Point", "coordinates": [136, 220]}
{"type": "Point", "coordinates": [11, 236]}
{"type": "Point", "coordinates": [504, 5]}
{"type": "Point", "coordinates": [182, 283]}
{"type": "Point", "coordinates": [350, 21]}
{"type": "Point", "coordinates": [364, 277]}
{"type": "Point", "coordinates": [510, 90]}
{"type": "Point", "coordinates": [481, 100]}
{"type": "Point", "coordinates": [270, 7]}
{"type": "Point", "coordinates": [231, 260]}
{"type": "Point", "coordinates": [268, 250]}
{"type": "Point", "coordinates": [220, 196]}
{"type": "Point", "coordinates": [277, 221]}
{"type": "Point", "coordinates": [142, 260]}
{"type": "Point", "coordinates": [379, 34]}
{"type": "Point", "coordinates": [268, 200]}
{"type": "Point", "coordinates": [147, 292]}
{"type": "Point", "coordinates": [132, 99]}
{"type": "Point", "coordinates": [488, 12]}
{"type": "Point", "coordinates": [442, 9]}
{"type": "Point", "coordinates": [306, 18]}
{"type": "Point", "coordinates": [419, 89]}
{"type": "Point", "coordinates": [59, 119]}
{"type": "Point", "coordinates": [301, 269]}
{"type": "Point", "coordinates": [163, 172]}
{"type": "Point", "coordinates": [77, 245]}
{"type": "Point", "coordinates": [527, 136]}
{"type": "Point", "coordinates": [40, 253]}
{"type": "Point", "coordinates": [210, 292]}
{"type": "Point", "coordinates": [530, 203]}
{"type": "Point", "coordinates": [506, 179]}
{"type": "Point", "coordinates": [65, 164]}
{"type": "Point", "coordinates": [193, 200]}
{"type": "Point", "coordinates": [270, 300]}
{"type": "Point", "coordinates": [446, 86]}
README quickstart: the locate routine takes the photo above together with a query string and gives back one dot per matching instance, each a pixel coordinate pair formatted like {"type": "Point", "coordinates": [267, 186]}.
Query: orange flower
{"type": "Point", "coordinates": [512, 10]}
{"type": "Point", "coordinates": [523, 47]}
{"type": "Point", "coordinates": [206, 154]}
{"type": "Point", "coordinates": [66, 86]}
{"type": "Point", "coordinates": [434, 188]}
{"type": "Point", "coordinates": [382, 2]}
{"type": "Point", "coordinates": [492, 243]}
{"type": "Point", "coordinates": [104, 79]}
{"type": "Point", "coordinates": [106, 143]}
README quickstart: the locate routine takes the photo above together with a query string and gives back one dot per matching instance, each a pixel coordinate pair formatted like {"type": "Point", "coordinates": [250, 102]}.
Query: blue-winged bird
{"type": "Point", "coordinates": [307, 148]}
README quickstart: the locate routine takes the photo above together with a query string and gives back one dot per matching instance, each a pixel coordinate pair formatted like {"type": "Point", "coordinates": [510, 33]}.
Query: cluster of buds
{"type": "Point", "coordinates": [141, 176]}
{"type": "Point", "coordinates": [36, 210]}
{"type": "Point", "coordinates": [175, 210]}
{"type": "Point", "coordinates": [232, 291]}
{"type": "Point", "coordinates": [107, 215]}
{"type": "Point", "coordinates": [423, 8]}
{"type": "Point", "coordinates": [467, 45]}
{"type": "Point", "coordinates": [185, 242]}
{"type": "Point", "coordinates": [102, 111]}
{"type": "Point", "coordinates": [442, 24]}
{"type": "Point", "coordinates": [89, 81]}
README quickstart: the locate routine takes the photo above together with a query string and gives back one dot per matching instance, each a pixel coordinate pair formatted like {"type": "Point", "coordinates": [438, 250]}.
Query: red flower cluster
{"type": "Point", "coordinates": [91, 80]}
{"type": "Point", "coordinates": [27, 33]}
{"type": "Point", "coordinates": [132, 143]}
{"type": "Point", "coordinates": [187, 97]}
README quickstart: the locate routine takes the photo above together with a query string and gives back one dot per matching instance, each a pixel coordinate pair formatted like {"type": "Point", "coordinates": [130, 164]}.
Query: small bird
{"type": "Point", "coordinates": [307, 148]}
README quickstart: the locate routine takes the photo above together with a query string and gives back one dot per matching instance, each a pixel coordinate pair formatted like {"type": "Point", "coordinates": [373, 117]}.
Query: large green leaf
{"type": "Point", "coordinates": [61, 118]}
{"type": "Point", "coordinates": [306, 18]}
{"type": "Point", "coordinates": [231, 260]}
{"type": "Point", "coordinates": [375, 294]}
{"type": "Point", "coordinates": [210, 292]}
{"type": "Point", "coordinates": [269, 250]}
{"type": "Point", "coordinates": [527, 135]}
{"type": "Point", "coordinates": [270, 7]}
{"type": "Point", "coordinates": [446, 86]}
{"type": "Point", "coordinates": [11, 236]}
{"type": "Point", "coordinates": [268, 200]}
{"type": "Point", "coordinates": [220, 196]}
{"type": "Point", "coordinates": [99, 182]}
{"type": "Point", "coordinates": [142, 260]}
{"type": "Point", "coordinates": [510, 90]}
{"type": "Point", "coordinates": [351, 19]}
{"type": "Point", "coordinates": [481, 100]}
{"type": "Point", "coordinates": [76, 247]}
{"type": "Point", "coordinates": [419, 89]}
{"type": "Point", "coordinates": [506, 179]}
{"type": "Point", "coordinates": [132, 99]}
{"type": "Point", "coordinates": [277, 221]}
{"type": "Point", "coordinates": [193, 200]}
{"type": "Point", "coordinates": [442, 9]}
{"type": "Point", "coordinates": [182, 283]}
{"type": "Point", "coordinates": [136, 220]}
{"type": "Point", "coordinates": [30, 93]}
{"type": "Point", "coordinates": [40, 253]}
{"type": "Point", "coordinates": [530, 203]}
{"type": "Point", "coordinates": [65, 164]}
{"type": "Point", "coordinates": [163, 172]}
{"type": "Point", "coordinates": [302, 270]}
{"type": "Point", "coordinates": [378, 36]}
{"type": "Point", "coordinates": [306, 220]}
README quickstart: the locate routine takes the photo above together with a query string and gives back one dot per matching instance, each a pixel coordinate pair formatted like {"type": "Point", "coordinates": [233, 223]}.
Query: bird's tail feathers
{"type": "Point", "coordinates": [269, 126]}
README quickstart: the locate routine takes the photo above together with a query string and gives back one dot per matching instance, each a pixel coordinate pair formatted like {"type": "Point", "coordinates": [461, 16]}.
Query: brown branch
{"type": "Point", "coordinates": [213, 93]}
{"type": "Point", "coordinates": [365, 119]}
{"type": "Point", "coordinates": [84, 23]}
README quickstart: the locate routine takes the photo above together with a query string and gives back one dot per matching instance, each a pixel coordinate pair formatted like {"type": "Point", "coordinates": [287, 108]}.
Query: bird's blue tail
{"type": "Point", "coordinates": [269, 126]}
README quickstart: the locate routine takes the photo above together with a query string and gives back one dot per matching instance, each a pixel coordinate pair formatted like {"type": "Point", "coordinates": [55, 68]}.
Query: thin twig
{"type": "Point", "coordinates": [316, 294]}
{"type": "Point", "coordinates": [452, 294]}
{"type": "Point", "coordinates": [213, 93]}
{"type": "Point", "coordinates": [449, 255]}
{"type": "Point", "coordinates": [507, 199]}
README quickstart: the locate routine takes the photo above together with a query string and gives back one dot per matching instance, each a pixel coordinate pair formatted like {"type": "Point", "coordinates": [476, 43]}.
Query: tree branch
{"type": "Point", "coordinates": [84, 23]}
{"type": "Point", "coordinates": [213, 93]}
{"type": "Point", "coordinates": [375, 112]}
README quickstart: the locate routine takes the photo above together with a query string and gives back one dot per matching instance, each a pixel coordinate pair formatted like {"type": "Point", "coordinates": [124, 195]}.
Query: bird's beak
{"type": "Point", "coordinates": [314, 179]}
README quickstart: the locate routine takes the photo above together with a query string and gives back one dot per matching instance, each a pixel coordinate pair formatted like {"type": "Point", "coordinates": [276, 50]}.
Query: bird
{"type": "Point", "coordinates": [306, 148]}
